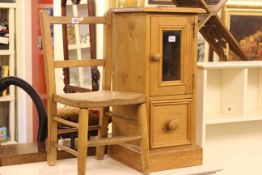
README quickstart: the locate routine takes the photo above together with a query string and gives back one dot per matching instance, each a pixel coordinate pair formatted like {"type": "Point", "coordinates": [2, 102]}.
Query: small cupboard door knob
{"type": "Point", "coordinates": [172, 125]}
{"type": "Point", "coordinates": [156, 57]}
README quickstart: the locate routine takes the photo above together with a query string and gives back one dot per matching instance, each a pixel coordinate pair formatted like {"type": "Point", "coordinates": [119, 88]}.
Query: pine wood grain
{"type": "Point", "coordinates": [160, 159]}
{"type": "Point", "coordinates": [80, 20]}
{"type": "Point", "coordinates": [144, 143]}
{"type": "Point", "coordinates": [114, 140]}
{"type": "Point", "coordinates": [82, 141]}
{"type": "Point", "coordinates": [160, 10]}
{"type": "Point", "coordinates": [102, 132]}
{"type": "Point", "coordinates": [99, 99]}
{"type": "Point", "coordinates": [51, 88]}
{"type": "Point", "coordinates": [79, 63]}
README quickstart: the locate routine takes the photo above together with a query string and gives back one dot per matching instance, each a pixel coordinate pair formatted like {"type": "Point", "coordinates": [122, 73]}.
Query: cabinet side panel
{"type": "Point", "coordinates": [129, 64]}
{"type": "Point", "coordinates": [129, 50]}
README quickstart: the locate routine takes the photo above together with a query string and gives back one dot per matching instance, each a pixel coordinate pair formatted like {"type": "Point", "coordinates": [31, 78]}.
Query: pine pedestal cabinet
{"type": "Point", "coordinates": [154, 52]}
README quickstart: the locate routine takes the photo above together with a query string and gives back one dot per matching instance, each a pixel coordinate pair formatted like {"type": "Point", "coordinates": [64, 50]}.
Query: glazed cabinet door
{"type": "Point", "coordinates": [172, 55]}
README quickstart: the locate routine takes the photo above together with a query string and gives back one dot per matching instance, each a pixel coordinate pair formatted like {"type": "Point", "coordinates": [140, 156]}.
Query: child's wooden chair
{"type": "Point", "coordinates": [89, 100]}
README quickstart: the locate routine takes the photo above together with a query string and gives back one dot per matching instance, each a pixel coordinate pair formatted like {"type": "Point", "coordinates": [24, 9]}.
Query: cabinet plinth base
{"type": "Point", "coordinates": [160, 159]}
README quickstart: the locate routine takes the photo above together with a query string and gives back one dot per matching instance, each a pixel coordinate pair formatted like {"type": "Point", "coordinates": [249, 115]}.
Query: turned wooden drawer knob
{"type": "Point", "coordinates": [172, 125]}
{"type": "Point", "coordinates": [156, 57]}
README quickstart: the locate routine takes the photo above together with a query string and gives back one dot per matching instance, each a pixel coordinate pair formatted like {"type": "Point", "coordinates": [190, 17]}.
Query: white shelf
{"type": "Point", "coordinates": [224, 118]}
{"type": "Point", "coordinates": [229, 65]}
{"type": "Point", "coordinates": [7, 5]}
{"type": "Point", "coordinates": [229, 114]}
{"type": "Point", "coordinates": [7, 98]}
{"type": "Point", "coordinates": [7, 52]}
{"type": "Point", "coordinates": [230, 90]}
{"type": "Point", "coordinates": [8, 143]}
{"type": "Point", "coordinates": [221, 88]}
{"type": "Point", "coordinates": [8, 57]}
{"type": "Point", "coordinates": [78, 46]}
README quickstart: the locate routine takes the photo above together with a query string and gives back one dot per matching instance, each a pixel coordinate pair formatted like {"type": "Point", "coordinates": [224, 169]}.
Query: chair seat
{"type": "Point", "coordinates": [99, 99]}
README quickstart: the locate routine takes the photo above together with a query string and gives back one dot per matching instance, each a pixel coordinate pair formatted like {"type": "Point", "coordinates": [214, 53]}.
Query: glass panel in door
{"type": "Point", "coordinates": [171, 69]}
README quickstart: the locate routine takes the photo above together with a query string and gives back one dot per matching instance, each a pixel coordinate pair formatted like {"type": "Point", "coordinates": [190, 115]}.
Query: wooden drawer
{"type": "Point", "coordinates": [170, 123]}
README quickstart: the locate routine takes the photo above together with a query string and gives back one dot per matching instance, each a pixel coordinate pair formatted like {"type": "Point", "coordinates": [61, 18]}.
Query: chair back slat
{"type": "Point", "coordinates": [48, 53]}
{"type": "Point", "coordinates": [77, 20]}
{"type": "Point", "coordinates": [108, 52]}
{"type": "Point", "coordinates": [79, 63]}
{"type": "Point", "coordinates": [51, 64]}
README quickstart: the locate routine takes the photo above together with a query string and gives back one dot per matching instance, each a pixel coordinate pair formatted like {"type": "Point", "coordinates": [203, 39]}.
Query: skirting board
{"type": "Point", "coordinates": [162, 159]}
{"type": "Point", "coordinates": [29, 153]}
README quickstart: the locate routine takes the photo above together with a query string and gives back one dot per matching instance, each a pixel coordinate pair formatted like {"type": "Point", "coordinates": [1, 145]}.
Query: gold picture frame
{"type": "Point", "coordinates": [127, 3]}
{"type": "Point", "coordinates": [245, 23]}
{"type": "Point", "coordinates": [162, 2]}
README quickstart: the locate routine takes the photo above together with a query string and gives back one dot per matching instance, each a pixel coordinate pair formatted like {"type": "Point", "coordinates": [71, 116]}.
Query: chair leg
{"type": "Point", "coordinates": [144, 143]}
{"type": "Point", "coordinates": [102, 132]}
{"type": "Point", "coordinates": [52, 136]}
{"type": "Point", "coordinates": [82, 141]}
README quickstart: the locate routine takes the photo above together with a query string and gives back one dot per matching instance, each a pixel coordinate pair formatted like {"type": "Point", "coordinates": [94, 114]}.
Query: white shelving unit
{"type": "Point", "coordinates": [232, 91]}
{"type": "Point", "coordinates": [8, 57]}
{"type": "Point", "coordinates": [229, 115]}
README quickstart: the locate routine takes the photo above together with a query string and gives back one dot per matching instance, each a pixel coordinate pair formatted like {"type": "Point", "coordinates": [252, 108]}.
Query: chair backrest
{"type": "Point", "coordinates": [51, 64]}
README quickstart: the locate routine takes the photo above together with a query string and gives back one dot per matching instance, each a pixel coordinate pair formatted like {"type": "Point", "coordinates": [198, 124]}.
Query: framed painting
{"type": "Point", "coordinates": [245, 23]}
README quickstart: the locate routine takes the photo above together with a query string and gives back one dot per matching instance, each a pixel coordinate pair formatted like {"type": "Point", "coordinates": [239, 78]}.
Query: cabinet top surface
{"type": "Point", "coordinates": [230, 64]}
{"type": "Point", "coordinates": [159, 10]}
